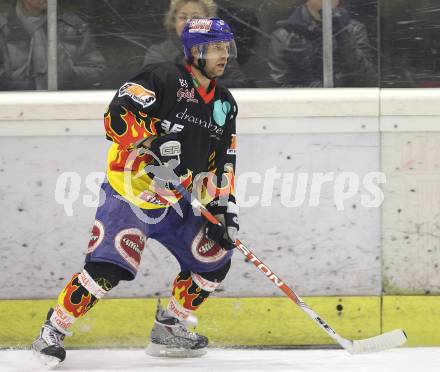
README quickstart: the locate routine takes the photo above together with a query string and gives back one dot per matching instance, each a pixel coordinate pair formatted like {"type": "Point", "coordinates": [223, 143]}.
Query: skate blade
{"type": "Point", "coordinates": [165, 351]}
{"type": "Point", "coordinates": [48, 362]}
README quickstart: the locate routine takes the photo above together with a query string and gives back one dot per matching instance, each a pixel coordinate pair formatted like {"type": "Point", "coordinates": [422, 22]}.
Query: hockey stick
{"type": "Point", "coordinates": [384, 341]}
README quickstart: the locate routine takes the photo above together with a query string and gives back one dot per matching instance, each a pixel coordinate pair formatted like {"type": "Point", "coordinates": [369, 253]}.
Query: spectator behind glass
{"type": "Point", "coordinates": [171, 50]}
{"type": "Point", "coordinates": [23, 49]}
{"type": "Point", "coordinates": [296, 57]}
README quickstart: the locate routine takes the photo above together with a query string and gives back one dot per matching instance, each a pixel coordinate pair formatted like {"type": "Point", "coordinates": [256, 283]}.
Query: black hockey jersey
{"type": "Point", "coordinates": [166, 98]}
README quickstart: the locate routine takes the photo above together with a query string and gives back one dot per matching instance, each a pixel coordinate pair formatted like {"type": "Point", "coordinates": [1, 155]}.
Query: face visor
{"type": "Point", "coordinates": [217, 50]}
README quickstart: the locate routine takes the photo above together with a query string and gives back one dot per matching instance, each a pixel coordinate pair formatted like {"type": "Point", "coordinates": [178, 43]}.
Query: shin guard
{"type": "Point", "coordinates": [190, 290]}
{"type": "Point", "coordinates": [80, 294]}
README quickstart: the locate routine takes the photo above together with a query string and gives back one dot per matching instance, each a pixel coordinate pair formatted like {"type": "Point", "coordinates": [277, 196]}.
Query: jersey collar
{"type": "Point", "coordinates": [207, 96]}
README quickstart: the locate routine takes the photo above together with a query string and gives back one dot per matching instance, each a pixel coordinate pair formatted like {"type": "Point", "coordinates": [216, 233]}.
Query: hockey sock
{"type": "Point", "coordinates": [80, 294]}
{"type": "Point", "coordinates": [84, 290]}
{"type": "Point", "coordinates": [190, 290]}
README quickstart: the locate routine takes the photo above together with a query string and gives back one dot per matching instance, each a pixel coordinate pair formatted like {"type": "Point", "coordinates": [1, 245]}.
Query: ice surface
{"type": "Point", "coordinates": [400, 360]}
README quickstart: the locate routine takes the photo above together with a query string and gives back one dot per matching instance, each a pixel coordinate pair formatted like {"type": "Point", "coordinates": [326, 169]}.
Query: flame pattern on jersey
{"type": "Point", "coordinates": [75, 298]}
{"type": "Point", "coordinates": [125, 129]}
{"type": "Point", "coordinates": [187, 293]}
{"type": "Point", "coordinates": [207, 145]}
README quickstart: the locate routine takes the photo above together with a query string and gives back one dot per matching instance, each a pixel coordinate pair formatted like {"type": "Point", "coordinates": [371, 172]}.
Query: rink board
{"type": "Point", "coordinates": [235, 321]}
{"type": "Point", "coordinates": [417, 315]}
{"type": "Point", "coordinates": [226, 321]}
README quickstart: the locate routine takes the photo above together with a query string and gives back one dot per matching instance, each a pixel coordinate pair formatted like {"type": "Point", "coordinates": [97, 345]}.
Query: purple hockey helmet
{"type": "Point", "coordinates": [203, 31]}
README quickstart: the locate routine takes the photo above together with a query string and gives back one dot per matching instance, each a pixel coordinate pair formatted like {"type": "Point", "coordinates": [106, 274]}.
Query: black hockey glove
{"type": "Point", "coordinates": [226, 234]}
{"type": "Point", "coordinates": [166, 151]}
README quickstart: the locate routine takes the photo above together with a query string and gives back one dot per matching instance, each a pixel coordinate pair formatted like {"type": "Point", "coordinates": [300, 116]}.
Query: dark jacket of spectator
{"type": "Point", "coordinates": [23, 52]}
{"type": "Point", "coordinates": [296, 56]}
{"type": "Point", "coordinates": [171, 50]}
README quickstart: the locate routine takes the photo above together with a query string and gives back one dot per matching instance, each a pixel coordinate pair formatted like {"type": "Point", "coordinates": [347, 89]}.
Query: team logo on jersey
{"type": "Point", "coordinates": [220, 112]}
{"type": "Point", "coordinates": [206, 250]}
{"type": "Point", "coordinates": [138, 94]}
{"type": "Point", "coordinates": [169, 127]}
{"type": "Point", "coordinates": [232, 150]}
{"type": "Point", "coordinates": [183, 83]}
{"type": "Point", "coordinates": [96, 236]}
{"type": "Point", "coordinates": [200, 25]}
{"type": "Point", "coordinates": [187, 95]}
{"type": "Point", "coordinates": [130, 243]}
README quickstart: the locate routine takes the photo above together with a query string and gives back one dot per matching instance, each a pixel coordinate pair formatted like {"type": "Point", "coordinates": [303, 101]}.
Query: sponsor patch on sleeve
{"type": "Point", "coordinates": [232, 150]}
{"type": "Point", "coordinates": [138, 93]}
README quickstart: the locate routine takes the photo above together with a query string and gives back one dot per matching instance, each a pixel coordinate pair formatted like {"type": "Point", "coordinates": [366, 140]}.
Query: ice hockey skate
{"type": "Point", "coordinates": [171, 338]}
{"type": "Point", "coordinates": [49, 346]}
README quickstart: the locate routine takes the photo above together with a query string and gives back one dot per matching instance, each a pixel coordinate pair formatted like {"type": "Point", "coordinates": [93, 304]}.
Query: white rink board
{"type": "Point", "coordinates": [398, 360]}
{"type": "Point", "coordinates": [411, 213]}
{"type": "Point", "coordinates": [318, 250]}
{"type": "Point", "coordinates": [328, 252]}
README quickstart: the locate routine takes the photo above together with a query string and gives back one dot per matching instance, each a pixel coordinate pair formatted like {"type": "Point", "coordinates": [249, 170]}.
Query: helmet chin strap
{"type": "Point", "coordinates": [201, 64]}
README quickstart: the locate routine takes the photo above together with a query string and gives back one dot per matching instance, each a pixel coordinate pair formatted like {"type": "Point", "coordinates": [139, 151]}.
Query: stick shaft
{"type": "Point", "coordinates": [346, 344]}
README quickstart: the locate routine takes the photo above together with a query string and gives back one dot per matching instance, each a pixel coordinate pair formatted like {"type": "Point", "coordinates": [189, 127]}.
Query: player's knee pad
{"type": "Point", "coordinates": [107, 275]}
{"type": "Point", "coordinates": [218, 275]}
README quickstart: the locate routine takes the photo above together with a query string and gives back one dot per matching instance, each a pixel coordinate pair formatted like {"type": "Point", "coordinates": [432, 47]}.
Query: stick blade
{"type": "Point", "coordinates": [382, 342]}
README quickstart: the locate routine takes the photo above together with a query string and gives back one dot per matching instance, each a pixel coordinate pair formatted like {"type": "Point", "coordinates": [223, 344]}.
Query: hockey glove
{"type": "Point", "coordinates": [226, 234]}
{"type": "Point", "coordinates": [166, 148]}
{"type": "Point", "coordinates": [166, 151]}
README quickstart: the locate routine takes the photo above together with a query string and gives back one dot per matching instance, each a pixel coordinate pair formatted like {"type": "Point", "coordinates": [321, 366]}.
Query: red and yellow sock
{"type": "Point", "coordinates": [79, 295]}
{"type": "Point", "coordinates": [190, 290]}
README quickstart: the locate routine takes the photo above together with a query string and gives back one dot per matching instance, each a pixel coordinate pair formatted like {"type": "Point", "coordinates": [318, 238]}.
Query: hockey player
{"type": "Point", "coordinates": [169, 117]}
